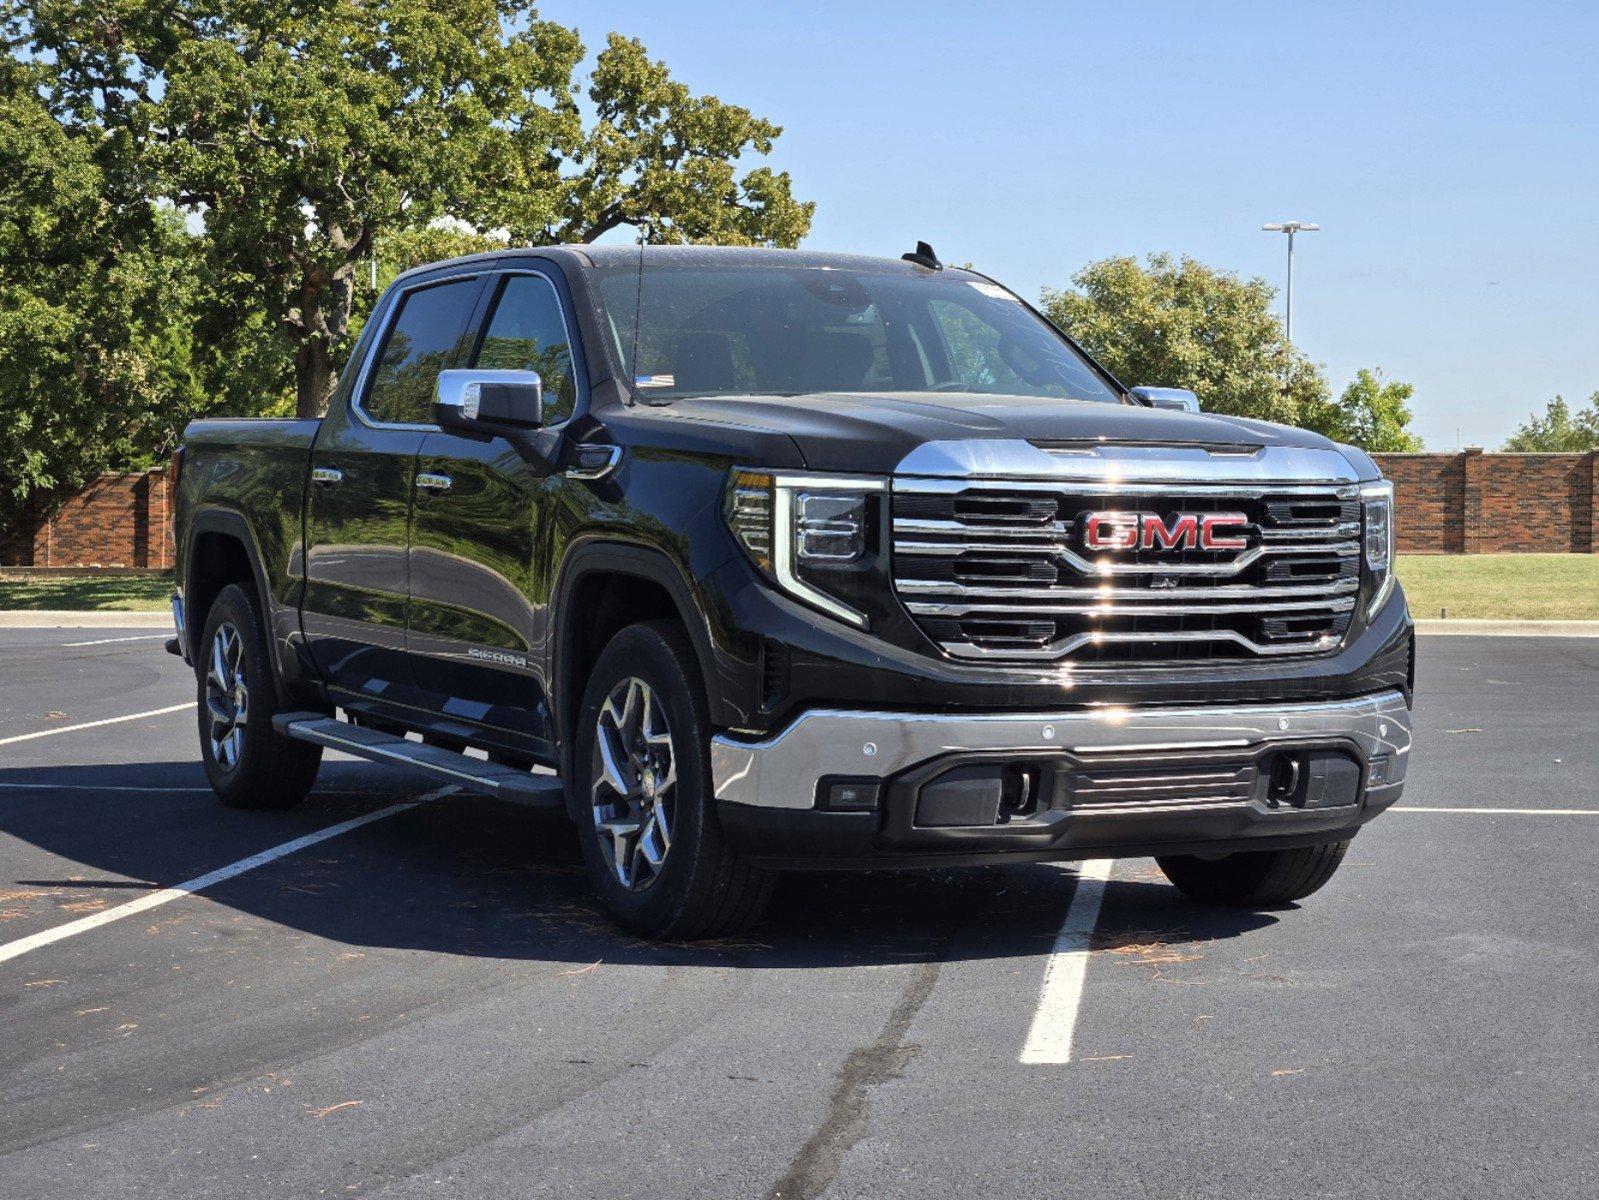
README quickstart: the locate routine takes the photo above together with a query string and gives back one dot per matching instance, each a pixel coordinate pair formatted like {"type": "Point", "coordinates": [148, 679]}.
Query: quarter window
{"type": "Point", "coordinates": [527, 334]}
{"type": "Point", "coordinates": [428, 335]}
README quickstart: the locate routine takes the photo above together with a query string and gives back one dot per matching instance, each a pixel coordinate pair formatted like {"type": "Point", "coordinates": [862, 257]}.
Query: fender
{"type": "Point", "coordinates": [622, 558]}
{"type": "Point", "coordinates": [293, 676]}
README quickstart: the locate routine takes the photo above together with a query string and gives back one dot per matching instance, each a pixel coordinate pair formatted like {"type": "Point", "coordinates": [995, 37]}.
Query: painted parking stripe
{"type": "Point", "coordinates": [138, 637]}
{"type": "Point", "coordinates": [158, 789]}
{"type": "Point", "coordinates": [138, 716]}
{"type": "Point", "coordinates": [1055, 1021]}
{"type": "Point", "coordinates": [1513, 812]}
{"type": "Point", "coordinates": [166, 895]}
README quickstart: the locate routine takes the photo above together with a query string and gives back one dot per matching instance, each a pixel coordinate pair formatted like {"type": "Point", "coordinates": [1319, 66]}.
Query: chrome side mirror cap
{"type": "Point", "coordinates": [489, 402]}
{"type": "Point", "coordinates": [1175, 399]}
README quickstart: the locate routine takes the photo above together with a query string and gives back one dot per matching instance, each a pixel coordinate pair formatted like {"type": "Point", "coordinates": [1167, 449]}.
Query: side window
{"type": "Point", "coordinates": [526, 334]}
{"type": "Point", "coordinates": [428, 335]}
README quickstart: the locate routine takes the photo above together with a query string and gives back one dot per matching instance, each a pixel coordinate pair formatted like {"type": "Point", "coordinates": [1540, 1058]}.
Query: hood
{"type": "Point", "coordinates": [875, 433]}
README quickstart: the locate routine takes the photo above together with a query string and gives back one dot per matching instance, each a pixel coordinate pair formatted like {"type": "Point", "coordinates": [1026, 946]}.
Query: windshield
{"type": "Point", "coordinates": [771, 330]}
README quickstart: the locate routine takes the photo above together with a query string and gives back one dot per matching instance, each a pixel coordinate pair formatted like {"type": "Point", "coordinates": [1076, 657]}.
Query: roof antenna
{"type": "Point", "coordinates": [923, 256]}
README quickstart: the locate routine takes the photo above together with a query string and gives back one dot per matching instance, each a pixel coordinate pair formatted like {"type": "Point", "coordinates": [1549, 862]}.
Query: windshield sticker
{"type": "Point", "coordinates": [654, 380]}
{"type": "Point", "coordinates": [992, 290]}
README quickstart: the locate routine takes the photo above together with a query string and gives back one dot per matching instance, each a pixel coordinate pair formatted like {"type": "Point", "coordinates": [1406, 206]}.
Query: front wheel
{"type": "Point", "coordinates": [642, 780]}
{"type": "Point", "coordinates": [249, 764]}
{"type": "Point", "coordinates": [1255, 878]}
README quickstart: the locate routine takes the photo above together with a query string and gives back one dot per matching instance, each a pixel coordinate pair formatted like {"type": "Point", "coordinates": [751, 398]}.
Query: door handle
{"type": "Point", "coordinates": [326, 475]}
{"type": "Point", "coordinates": [433, 483]}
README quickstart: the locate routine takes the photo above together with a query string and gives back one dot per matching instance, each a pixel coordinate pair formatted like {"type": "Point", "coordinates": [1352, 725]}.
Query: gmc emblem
{"type": "Point", "coordinates": [1150, 531]}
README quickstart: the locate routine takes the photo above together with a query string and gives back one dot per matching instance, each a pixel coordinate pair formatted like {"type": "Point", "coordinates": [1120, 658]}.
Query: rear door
{"type": "Point", "coordinates": [482, 533]}
{"type": "Point", "coordinates": [363, 475]}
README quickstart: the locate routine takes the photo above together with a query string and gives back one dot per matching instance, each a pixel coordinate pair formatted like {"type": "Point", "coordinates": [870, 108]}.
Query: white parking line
{"type": "Point", "coordinates": [1055, 1021]}
{"type": "Point", "coordinates": [132, 908]}
{"type": "Point", "coordinates": [139, 716]}
{"type": "Point", "coordinates": [1514, 812]}
{"type": "Point", "coordinates": [138, 637]}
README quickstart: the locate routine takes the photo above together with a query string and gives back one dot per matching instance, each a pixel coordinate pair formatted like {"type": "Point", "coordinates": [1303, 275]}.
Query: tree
{"type": "Point", "coordinates": [1179, 323]}
{"type": "Point", "coordinates": [1559, 429]}
{"type": "Point", "coordinates": [96, 350]}
{"type": "Point", "coordinates": [303, 131]}
{"type": "Point", "coordinates": [1373, 413]}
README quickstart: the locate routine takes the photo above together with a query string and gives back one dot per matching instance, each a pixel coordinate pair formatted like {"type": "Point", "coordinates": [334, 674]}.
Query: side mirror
{"type": "Point", "coordinates": [1175, 399]}
{"type": "Point", "coordinates": [489, 403]}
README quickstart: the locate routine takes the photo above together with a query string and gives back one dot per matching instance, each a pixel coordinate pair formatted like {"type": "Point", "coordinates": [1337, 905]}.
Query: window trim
{"type": "Point", "coordinates": [574, 348]}
{"type": "Point", "coordinates": [358, 392]}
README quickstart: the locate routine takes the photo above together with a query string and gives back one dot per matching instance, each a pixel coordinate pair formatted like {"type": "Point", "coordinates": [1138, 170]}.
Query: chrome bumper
{"type": "Point", "coordinates": [782, 771]}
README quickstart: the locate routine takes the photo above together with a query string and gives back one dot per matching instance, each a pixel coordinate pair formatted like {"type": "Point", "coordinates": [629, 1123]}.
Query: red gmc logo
{"type": "Point", "coordinates": [1150, 531]}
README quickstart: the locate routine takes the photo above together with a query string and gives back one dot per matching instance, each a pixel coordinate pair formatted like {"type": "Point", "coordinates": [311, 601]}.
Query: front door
{"type": "Point", "coordinates": [363, 475]}
{"type": "Point", "coordinates": [481, 537]}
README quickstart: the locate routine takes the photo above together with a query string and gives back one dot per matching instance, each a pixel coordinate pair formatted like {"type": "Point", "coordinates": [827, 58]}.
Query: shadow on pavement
{"type": "Point", "coordinates": [474, 876]}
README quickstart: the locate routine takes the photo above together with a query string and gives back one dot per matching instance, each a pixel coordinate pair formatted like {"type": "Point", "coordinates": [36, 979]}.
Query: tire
{"type": "Point", "coordinates": [249, 764]}
{"type": "Point", "coordinates": [653, 847]}
{"type": "Point", "coordinates": [1255, 879]}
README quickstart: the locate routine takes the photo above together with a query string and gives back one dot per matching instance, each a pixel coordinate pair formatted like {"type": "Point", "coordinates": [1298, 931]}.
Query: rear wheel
{"type": "Point", "coordinates": [1255, 878]}
{"type": "Point", "coordinates": [641, 775]}
{"type": "Point", "coordinates": [249, 764]}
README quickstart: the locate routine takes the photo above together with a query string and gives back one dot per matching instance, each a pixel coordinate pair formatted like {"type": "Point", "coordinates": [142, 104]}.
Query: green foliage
{"type": "Point", "coordinates": [1372, 413]}
{"type": "Point", "coordinates": [96, 353]}
{"type": "Point", "coordinates": [1179, 323]}
{"type": "Point", "coordinates": [307, 133]}
{"type": "Point", "coordinates": [1175, 322]}
{"type": "Point", "coordinates": [1559, 429]}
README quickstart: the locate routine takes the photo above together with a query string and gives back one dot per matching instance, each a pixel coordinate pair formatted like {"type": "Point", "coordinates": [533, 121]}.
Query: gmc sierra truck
{"type": "Point", "coordinates": [760, 560]}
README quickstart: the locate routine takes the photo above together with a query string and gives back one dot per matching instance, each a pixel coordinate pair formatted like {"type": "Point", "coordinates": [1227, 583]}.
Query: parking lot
{"type": "Point", "coordinates": [428, 1003]}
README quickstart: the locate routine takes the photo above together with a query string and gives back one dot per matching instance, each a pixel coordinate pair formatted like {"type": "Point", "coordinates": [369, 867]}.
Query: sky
{"type": "Point", "coordinates": [1450, 152]}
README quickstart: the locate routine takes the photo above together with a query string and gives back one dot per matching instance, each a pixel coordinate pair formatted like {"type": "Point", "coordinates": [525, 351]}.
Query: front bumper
{"type": "Point", "coordinates": [1104, 782]}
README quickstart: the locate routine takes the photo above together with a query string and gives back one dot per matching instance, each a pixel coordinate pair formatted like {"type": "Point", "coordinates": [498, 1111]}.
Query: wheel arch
{"type": "Point", "coordinates": [222, 549]}
{"type": "Point", "coordinates": [613, 585]}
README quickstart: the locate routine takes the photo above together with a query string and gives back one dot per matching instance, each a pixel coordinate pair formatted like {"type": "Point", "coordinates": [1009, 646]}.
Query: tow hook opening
{"type": "Point", "coordinates": [1309, 778]}
{"type": "Point", "coordinates": [979, 794]}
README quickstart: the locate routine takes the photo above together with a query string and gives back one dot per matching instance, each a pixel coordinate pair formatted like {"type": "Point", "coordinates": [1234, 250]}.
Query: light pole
{"type": "Point", "coordinates": [1290, 228]}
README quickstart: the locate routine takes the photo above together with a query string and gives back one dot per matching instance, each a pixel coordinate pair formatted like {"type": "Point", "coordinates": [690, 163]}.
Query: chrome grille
{"type": "Point", "coordinates": [998, 570]}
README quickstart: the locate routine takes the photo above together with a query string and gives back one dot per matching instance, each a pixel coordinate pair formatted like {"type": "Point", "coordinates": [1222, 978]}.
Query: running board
{"type": "Point", "coordinates": [479, 775]}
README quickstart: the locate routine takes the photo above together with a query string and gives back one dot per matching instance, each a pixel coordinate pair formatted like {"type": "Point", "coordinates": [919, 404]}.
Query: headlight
{"type": "Point", "coordinates": [1377, 510]}
{"type": "Point", "coordinates": [810, 534]}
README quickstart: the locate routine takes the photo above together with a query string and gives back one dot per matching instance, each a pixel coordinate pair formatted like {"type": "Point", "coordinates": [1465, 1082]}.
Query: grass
{"type": "Point", "coordinates": [1526, 587]}
{"type": "Point", "coordinates": [1506, 586]}
{"type": "Point", "coordinates": [110, 592]}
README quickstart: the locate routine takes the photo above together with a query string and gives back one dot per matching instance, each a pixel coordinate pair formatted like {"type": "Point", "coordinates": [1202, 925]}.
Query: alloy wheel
{"type": "Point", "coordinates": [227, 696]}
{"type": "Point", "coordinates": [635, 783]}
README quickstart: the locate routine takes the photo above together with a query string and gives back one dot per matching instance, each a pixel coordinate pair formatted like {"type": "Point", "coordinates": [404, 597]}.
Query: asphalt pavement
{"type": "Point", "coordinates": [429, 1003]}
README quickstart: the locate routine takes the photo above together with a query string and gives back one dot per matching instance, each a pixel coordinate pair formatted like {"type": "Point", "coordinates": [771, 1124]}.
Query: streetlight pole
{"type": "Point", "coordinates": [1290, 228]}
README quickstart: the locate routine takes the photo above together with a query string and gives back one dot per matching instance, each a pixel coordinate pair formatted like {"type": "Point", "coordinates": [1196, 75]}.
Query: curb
{"type": "Point", "coordinates": [1469, 628]}
{"type": "Point", "coordinates": [45, 618]}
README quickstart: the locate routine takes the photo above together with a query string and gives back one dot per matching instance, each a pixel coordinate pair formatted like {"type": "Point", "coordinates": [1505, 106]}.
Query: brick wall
{"type": "Point", "coordinates": [1476, 503]}
{"type": "Point", "coordinates": [116, 521]}
{"type": "Point", "coordinates": [1468, 502]}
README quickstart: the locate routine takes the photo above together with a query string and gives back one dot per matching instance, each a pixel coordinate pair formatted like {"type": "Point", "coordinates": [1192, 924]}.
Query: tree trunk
{"type": "Point", "coordinates": [313, 377]}
{"type": "Point", "coordinates": [323, 320]}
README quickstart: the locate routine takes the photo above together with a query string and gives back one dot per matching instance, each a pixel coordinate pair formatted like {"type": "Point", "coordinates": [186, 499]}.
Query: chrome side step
{"type": "Point", "coordinates": [479, 775]}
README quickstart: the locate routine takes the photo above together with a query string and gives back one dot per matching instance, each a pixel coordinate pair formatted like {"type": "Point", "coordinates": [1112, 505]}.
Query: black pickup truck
{"type": "Point", "coordinates": [780, 560]}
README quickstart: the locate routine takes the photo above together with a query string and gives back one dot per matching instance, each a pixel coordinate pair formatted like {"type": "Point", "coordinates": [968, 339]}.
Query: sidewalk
{"type": "Point", "coordinates": [44, 618]}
